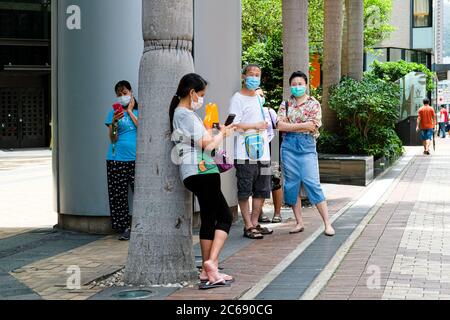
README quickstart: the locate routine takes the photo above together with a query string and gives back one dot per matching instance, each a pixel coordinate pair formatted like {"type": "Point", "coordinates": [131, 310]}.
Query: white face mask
{"type": "Point", "coordinates": [124, 100]}
{"type": "Point", "coordinates": [197, 105]}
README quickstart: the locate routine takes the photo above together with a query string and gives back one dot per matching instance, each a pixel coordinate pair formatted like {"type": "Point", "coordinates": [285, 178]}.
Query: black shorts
{"type": "Point", "coordinates": [253, 180]}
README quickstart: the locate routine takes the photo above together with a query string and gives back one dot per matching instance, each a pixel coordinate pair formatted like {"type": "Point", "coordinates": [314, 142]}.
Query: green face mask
{"type": "Point", "coordinates": [298, 91]}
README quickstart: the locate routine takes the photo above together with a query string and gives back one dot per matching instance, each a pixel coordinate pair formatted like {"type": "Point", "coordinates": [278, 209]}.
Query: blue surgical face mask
{"type": "Point", "coordinates": [124, 100]}
{"type": "Point", "coordinates": [252, 83]}
{"type": "Point", "coordinates": [298, 91]}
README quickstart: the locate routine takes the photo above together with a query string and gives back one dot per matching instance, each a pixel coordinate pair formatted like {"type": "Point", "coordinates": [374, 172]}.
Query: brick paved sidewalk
{"type": "Point", "coordinates": [405, 244]}
{"type": "Point", "coordinates": [253, 262]}
{"type": "Point", "coordinates": [33, 263]}
{"type": "Point", "coordinates": [404, 252]}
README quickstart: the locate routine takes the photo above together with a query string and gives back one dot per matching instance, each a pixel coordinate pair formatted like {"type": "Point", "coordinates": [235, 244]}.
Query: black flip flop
{"type": "Point", "coordinates": [219, 284]}
{"type": "Point", "coordinates": [226, 281]}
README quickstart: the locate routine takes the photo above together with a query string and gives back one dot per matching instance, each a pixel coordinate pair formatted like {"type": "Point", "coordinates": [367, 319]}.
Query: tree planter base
{"type": "Point", "coordinates": [346, 169]}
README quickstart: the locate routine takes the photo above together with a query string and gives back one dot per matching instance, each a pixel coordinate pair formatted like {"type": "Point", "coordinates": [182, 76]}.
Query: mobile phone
{"type": "Point", "coordinates": [230, 120]}
{"type": "Point", "coordinates": [117, 107]}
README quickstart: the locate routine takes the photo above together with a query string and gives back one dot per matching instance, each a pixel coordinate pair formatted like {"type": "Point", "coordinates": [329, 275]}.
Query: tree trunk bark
{"type": "Point", "coordinates": [355, 25]}
{"type": "Point", "coordinates": [295, 40]}
{"type": "Point", "coordinates": [160, 249]}
{"type": "Point", "coordinates": [345, 31]}
{"type": "Point", "coordinates": [332, 57]}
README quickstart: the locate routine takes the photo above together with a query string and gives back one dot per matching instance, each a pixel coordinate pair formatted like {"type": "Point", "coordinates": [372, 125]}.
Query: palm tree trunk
{"type": "Point", "coordinates": [344, 58]}
{"type": "Point", "coordinates": [295, 39]}
{"type": "Point", "coordinates": [355, 25]}
{"type": "Point", "coordinates": [332, 57]}
{"type": "Point", "coordinates": [161, 250]}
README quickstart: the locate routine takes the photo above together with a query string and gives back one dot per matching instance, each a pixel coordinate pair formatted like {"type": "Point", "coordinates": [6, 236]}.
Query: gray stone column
{"type": "Point", "coordinates": [95, 44]}
{"type": "Point", "coordinates": [217, 56]}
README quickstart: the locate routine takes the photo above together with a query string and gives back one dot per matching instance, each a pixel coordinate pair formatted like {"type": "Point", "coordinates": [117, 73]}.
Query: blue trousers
{"type": "Point", "coordinates": [442, 129]}
{"type": "Point", "coordinates": [300, 167]}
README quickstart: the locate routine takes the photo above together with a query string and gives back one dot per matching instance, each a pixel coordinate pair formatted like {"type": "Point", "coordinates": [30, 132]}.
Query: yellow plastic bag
{"type": "Point", "coordinates": [212, 116]}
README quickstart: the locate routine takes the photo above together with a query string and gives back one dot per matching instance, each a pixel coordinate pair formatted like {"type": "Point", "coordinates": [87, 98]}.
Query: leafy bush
{"type": "Point", "coordinates": [269, 55]}
{"type": "Point", "coordinates": [368, 111]}
{"type": "Point", "coordinates": [393, 71]}
{"type": "Point", "coordinates": [262, 40]}
{"type": "Point", "coordinates": [331, 143]}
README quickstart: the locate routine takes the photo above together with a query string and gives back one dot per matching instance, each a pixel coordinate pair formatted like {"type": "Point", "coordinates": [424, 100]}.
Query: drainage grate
{"type": "Point", "coordinates": [133, 294]}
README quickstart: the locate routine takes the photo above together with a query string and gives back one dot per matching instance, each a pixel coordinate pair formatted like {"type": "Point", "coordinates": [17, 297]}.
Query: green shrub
{"type": "Point", "coordinates": [368, 112]}
{"type": "Point", "coordinates": [393, 71]}
{"type": "Point", "coordinates": [269, 55]}
{"type": "Point", "coordinates": [331, 143]}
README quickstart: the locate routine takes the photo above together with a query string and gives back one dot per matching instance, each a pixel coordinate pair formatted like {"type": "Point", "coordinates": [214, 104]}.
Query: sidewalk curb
{"type": "Point", "coordinates": [321, 281]}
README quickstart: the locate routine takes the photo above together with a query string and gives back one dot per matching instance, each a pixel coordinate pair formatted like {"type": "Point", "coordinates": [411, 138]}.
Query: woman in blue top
{"type": "Point", "coordinates": [121, 158]}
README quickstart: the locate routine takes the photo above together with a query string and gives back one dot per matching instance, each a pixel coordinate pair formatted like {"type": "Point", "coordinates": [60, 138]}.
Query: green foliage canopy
{"type": "Point", "coordinates": [393, 71]}
{"type": "Point", "coordinates": [368, 112]}
{"type": "Point", "coordinates": [262, 36]}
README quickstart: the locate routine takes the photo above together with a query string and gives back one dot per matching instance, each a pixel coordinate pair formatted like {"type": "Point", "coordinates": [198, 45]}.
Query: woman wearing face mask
{"type": "Point", "coordinates": [199, 173]}
{"type": "Point", "coordinates": [121, 158]}
{"type": "Point", "coordinates": [300, 118]}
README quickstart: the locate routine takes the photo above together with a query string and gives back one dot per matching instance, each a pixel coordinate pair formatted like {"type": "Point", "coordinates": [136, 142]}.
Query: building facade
{"type": "Point", "coordinates": [59, 62]}
{"type": "Point", "coordinates": [418, 34]}
{"type": "Point", "coordinates": [25, 60]}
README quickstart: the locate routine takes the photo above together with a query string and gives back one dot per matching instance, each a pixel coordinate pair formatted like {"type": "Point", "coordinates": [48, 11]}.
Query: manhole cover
{"type": "Point", "coordinates": [133, 294]}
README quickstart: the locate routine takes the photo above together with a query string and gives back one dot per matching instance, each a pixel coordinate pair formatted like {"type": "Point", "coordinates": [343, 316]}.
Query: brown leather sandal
{"type": "Point", "coordinates": [251, 234]}
{"type": "Point", "coordinates": [264, 230]}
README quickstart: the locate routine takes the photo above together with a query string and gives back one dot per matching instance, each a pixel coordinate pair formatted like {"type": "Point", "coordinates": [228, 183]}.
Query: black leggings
{"type": "Point", "coordinates": [214, 211]}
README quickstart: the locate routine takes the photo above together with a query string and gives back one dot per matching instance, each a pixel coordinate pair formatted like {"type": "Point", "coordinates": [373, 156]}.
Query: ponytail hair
{"type": "Point", "coordinates": [191, 81]}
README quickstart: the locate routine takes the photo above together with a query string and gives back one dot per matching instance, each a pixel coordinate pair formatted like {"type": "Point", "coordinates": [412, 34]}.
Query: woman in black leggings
{"type": "Point", "coordinates": [200, 174]}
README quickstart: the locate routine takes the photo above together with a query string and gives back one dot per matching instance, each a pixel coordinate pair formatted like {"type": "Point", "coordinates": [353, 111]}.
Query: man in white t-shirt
{"type": "Point", "coordinates": [252, 152]}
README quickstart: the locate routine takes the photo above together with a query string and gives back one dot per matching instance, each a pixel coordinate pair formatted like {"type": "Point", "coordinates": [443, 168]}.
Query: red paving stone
{"type": "Point", "coordinates": [251, 264]}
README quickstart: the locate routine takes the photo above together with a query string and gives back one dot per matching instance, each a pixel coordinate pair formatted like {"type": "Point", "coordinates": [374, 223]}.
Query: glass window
{"type": "Point", "coordinates": [395, 54]}
{"type": "Point", "coordinates": [422, 13]}
{"type": "Point", "coordinates": [379, 54]}
{"type": "Point", "coordinates": [25, 19]}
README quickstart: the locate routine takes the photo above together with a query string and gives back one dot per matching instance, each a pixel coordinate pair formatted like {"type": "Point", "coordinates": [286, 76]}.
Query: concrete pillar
{"type": "Point", "coordinates": [94, 45]}
{"type": "Point", "coordinates": [217, 56]}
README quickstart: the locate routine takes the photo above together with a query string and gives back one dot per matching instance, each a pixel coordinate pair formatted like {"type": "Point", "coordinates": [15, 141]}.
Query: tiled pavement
{"type": "Point", "coordinates": [34, 263]}
{"type": "Point", "coordinates": [258, 258]}
{"type": "Point", "coordinates": [403, 253]}
{"type": "Point", "coordinates": [26, 190]}
{"type": "Point", "coordinates": [19, 252]}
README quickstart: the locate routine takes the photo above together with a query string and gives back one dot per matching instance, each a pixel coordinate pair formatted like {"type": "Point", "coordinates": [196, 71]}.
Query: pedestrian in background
{"type": "Point", "coordinates": [301, 117]}
{"type": "Point", "coordinates": [122, 124]}
{"type": "Point", "coordinates": [443, 121]}
{"type": "Point", "coordinates": [426, 123]}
